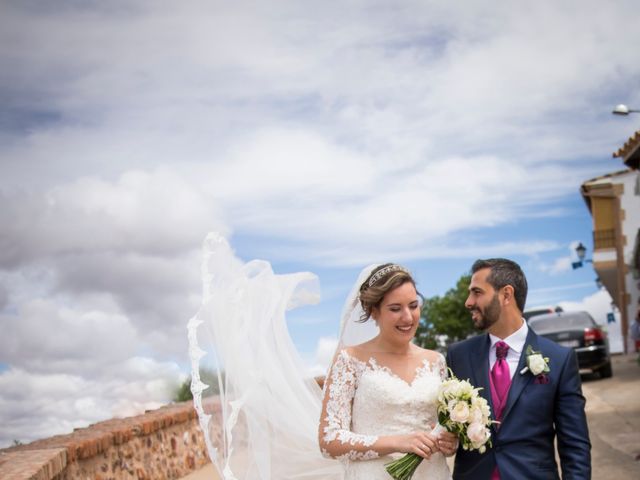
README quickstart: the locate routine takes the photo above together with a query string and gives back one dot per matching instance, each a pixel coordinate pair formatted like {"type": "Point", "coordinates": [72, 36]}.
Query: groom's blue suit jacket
{"type": "Point", "coordinates": [535, 413]}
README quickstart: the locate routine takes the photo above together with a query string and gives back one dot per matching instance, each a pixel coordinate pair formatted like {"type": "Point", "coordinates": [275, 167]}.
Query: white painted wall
{"type": "Point", "coordinates": [630, 203]}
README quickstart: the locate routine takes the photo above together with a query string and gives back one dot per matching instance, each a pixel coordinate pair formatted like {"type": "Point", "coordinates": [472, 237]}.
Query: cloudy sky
{"type": "Point", "coordinates": [320, 136]}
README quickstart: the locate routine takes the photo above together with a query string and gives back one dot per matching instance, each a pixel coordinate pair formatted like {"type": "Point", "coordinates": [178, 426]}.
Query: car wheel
{"type": "Point", "coordinates": [606, 371]}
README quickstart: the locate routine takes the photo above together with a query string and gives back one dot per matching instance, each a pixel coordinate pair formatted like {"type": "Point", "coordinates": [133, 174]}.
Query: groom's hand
{"type": "Point", "coordinates": [447, 443]}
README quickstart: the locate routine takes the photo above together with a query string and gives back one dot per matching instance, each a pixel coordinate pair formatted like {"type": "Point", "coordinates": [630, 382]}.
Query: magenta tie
{"type": "Point", "coordinates": [500, 383]}
{"type": "Point", "coordinates": [501, 377]}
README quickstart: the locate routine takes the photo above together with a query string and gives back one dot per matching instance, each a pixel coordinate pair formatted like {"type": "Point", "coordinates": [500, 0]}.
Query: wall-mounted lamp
{"type": "Point", "coordinates": [581, 251]}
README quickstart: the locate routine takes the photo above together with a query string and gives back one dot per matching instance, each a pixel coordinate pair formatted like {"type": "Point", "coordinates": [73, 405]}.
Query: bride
{"type": "Point", "coordinates": [379, 397]}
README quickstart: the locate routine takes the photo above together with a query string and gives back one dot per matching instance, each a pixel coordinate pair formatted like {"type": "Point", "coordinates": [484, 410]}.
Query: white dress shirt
{"type": "Point", "coordinates": [516, 343]}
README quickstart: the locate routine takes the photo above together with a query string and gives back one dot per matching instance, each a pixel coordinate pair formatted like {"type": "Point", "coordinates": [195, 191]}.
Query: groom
{"type": "Point", "coordinates": [533, 410]}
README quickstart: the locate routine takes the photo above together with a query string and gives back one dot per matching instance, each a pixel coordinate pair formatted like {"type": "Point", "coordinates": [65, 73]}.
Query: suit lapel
{"type": "Point", "coordinates": [480, 367]}
{"type": "Point", "coordinates": [520, 381]}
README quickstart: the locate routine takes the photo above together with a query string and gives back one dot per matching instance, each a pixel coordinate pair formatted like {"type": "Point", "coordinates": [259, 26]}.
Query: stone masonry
{"type": "Point", "coordinates": [161, 444]}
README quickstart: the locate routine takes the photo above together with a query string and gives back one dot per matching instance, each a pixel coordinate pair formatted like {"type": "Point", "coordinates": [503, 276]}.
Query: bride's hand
{"type": "Point", "coordinates": [420, 443]}
{"type": "Point", "coordinates": [447, 443]}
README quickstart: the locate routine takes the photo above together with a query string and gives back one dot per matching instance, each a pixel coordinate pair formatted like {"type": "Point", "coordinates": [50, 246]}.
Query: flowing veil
{"type": "Point", "coordinates": [263, 424]}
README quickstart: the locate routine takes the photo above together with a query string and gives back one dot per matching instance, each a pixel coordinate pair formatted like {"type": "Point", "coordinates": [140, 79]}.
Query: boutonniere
{"type": "Point", "coordinates": [537, 365]}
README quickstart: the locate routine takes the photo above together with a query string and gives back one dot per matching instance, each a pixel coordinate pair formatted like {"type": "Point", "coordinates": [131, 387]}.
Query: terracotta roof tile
{"type": "Point", "coordinates": [629, 146]}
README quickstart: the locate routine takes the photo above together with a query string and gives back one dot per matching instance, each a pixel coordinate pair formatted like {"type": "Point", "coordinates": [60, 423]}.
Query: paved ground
{"type": "Point", "coordinates": [206, 473]}
{"type": "Point", "coordinates": [613, 412]}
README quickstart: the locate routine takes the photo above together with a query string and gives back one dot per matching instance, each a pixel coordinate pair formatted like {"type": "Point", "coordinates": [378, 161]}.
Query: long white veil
{"type": "Point", "coordinates": [263, 424]}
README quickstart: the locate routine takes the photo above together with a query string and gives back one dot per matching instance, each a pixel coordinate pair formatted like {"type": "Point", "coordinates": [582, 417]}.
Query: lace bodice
{"type": "Point", "coordinates": [365, 400]}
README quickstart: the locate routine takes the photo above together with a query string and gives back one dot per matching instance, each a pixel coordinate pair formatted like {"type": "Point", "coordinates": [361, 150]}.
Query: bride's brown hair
{"type": "Point", "coordinates": [382, 280]}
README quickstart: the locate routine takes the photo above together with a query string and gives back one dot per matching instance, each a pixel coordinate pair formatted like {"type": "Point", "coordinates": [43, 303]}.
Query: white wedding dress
{"type": "Point", "coordinates": [264, 423]}
{"type": "Point", "coordinates": [367, 400]}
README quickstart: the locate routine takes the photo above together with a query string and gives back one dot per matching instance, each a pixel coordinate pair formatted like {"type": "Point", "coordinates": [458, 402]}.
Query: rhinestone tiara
{"type": "Point", "coordinates": [382, 272]}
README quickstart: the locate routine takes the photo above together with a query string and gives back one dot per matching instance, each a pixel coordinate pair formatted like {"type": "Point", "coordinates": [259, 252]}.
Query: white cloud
{"type": "Point", "coordinates": [75, 365]}
{"type": "Point", "coordinates": [126, 247]}
{"type": "Point", "coordinates": [46, 337]}
{"type": "Point", "coordinates": [4, 297]}
{"type": "Point", "coordinates": [325, 350]}
{"type": "Point", "coordinates": [560, 265]}
{"type": "Point", "coordinates": [37, 405]}
{"type": "Point", "coordinates": [96, 273]}
{"type": "Point", "coordinates": [437, 107]}
{"type": "Point", "coordinates": [151, 212]}
{"type": "Point", "coordinates": [598, 304]}
{"type": "Point", "coordinates": [400, 206]}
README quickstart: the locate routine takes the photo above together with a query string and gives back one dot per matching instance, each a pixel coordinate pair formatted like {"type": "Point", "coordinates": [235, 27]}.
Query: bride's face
{"type": "Point", "coordinates": [399, 313]}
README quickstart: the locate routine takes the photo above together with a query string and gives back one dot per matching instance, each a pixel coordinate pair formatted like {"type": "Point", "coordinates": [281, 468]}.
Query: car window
{"type": "Point", "coordinates": [532, 313]}
{"type": "Point", "coordinates": [554, 323]}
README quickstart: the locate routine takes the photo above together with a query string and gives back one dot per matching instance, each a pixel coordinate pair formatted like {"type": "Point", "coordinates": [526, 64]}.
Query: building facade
{"type": "Point", "coordinates": [614, 202]}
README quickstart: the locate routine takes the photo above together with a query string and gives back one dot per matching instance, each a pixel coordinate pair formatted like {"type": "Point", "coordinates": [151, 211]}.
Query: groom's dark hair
{"type": "Point", "coordinates": [505, 272]}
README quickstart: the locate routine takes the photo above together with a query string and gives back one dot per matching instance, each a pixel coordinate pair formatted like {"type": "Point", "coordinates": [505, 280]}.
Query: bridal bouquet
{"type": "Point", "coordinates": [461, 410]}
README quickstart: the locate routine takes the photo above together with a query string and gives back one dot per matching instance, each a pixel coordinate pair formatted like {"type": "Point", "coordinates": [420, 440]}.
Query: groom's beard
{"type": "Point", "coordinates": [487, 316]}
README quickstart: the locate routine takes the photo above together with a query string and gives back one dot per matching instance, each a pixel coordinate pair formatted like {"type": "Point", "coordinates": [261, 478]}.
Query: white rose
{"type": "Point", "coordinates": [482, 404]}
{"type": "Point", "coordinates": [447, 389]}
{"type": "Point", "coordinates": [460, 412]}
{"type": "Point", "coordinates": [452, 389]}
{"type": "Point", "coordinates": [536, 363]}
{"type": "Point", "coordinates": [486, 411]}
{"type": "Point", "coordinates": [465, 389]}
{"type": "Point", "coordinates": [443, 389]}
{"type": "Point", "coordinates": [477, 433]}
{"type": "Point", "coordinates": [475, 414]}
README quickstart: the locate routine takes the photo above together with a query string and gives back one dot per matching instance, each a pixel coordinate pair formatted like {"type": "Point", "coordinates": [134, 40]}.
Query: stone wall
{"type": "Point", "coordinates": [161, 444]}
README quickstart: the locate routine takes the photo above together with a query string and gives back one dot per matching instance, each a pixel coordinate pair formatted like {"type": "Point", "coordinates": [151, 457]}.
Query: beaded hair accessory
{"type": "Point", "coordinates": [383, 271]}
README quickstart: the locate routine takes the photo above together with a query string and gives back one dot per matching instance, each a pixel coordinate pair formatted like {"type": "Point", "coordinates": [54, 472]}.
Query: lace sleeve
{"type": "Point", "coordinates": [335, 436]}
{"type": "Point", "coordinates": [442, 367]}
